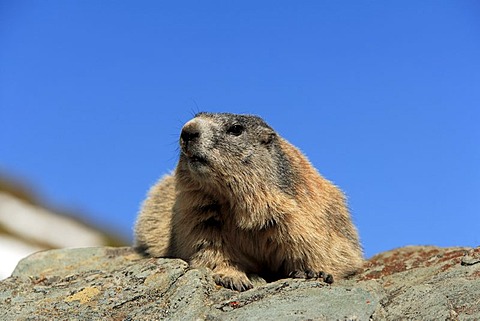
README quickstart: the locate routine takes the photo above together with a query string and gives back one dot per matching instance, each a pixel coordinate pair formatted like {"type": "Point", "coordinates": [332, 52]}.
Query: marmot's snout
{"type": "Point", "coordinates": [190, 140]}
{"type": "Point", "coordinates": [190, 134]}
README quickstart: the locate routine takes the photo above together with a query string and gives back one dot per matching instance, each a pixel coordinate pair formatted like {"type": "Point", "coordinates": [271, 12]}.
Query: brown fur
{"type": "Point", "coordinates": [243, 200]}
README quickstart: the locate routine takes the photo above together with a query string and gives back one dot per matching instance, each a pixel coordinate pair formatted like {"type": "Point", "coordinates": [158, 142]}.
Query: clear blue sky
{"type": "Point", "coordinates": [382, 96]}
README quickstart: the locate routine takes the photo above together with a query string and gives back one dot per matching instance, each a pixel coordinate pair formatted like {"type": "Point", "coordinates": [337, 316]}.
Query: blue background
{"type": "Point", "coordinates": [383, 97]}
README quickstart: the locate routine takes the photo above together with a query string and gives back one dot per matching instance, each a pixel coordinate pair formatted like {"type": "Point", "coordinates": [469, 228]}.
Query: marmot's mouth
{"type": "Point", "coordinates": [197, 159]}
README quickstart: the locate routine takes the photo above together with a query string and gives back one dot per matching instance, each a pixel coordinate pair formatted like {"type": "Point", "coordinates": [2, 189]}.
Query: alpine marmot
{"type": "Point", "coordinates": [243, 201]}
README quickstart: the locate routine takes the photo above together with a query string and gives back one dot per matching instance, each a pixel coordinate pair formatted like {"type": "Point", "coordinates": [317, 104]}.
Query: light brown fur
{"type": "Point", "coordinates": [243, 200]}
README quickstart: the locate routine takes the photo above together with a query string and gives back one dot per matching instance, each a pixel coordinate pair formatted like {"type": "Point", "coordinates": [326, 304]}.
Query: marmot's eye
{"type": "Point", "coordinates": [235, 130]}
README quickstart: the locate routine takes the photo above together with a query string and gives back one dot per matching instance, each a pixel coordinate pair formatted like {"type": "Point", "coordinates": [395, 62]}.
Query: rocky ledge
{"type": "Point", "coordinates": [410, 283]}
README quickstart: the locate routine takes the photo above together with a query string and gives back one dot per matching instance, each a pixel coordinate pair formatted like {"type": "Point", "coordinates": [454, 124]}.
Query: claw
{"type": "Point", "coordinates": [233, 283]}
{"type": "Point", "coordinates": [310, 274]}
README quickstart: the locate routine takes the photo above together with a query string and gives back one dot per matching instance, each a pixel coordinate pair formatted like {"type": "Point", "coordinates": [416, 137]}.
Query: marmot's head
{"type": "Point", "coordinates": [230, 150]}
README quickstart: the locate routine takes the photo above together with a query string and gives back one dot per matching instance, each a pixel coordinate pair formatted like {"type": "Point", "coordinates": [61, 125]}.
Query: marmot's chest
{"type": "Point", "coordinates": [259, 250]}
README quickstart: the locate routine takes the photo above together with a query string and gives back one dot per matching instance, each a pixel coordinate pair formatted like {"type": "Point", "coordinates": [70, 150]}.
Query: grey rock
{"type": "Point", "coordinates": [300, 300]}
{"type": "Point", "coordinates": [411, 283]}
{"type": "Point", "coordinates": [426, 283]}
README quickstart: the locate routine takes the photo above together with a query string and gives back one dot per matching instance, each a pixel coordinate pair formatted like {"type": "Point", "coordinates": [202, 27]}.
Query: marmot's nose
{"type": "Point", "coordinates": [190, 132]}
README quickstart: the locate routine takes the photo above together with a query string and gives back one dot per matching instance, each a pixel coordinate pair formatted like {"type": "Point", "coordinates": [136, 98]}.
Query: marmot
{"type": "Point", "coordinates": [242, 200]}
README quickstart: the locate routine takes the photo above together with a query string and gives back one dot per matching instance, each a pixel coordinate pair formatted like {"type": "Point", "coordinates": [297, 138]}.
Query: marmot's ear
{"type": "Point", "coordinates": [267, 137]}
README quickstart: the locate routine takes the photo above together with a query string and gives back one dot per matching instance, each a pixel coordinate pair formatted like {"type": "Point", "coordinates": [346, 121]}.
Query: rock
{"type": "Point", "coordinates": [427, 283]}
{"type": "Point", "coordinates": [411, 283]}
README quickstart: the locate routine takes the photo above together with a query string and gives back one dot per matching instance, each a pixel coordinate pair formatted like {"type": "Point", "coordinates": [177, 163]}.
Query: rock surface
{"type": "Point", "coordinates": [411, 283]}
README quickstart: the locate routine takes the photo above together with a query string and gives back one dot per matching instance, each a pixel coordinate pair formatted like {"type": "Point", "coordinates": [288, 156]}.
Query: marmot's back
{"type": "Point", "coordinates": [243, 200]}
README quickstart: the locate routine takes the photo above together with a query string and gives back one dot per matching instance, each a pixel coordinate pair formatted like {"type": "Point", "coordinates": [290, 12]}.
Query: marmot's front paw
{"type": "Point", "coordinates": [232, 279]}
{"type": "Point", "coordinates": [310, 274]}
